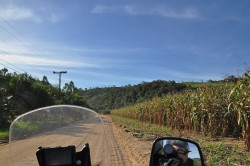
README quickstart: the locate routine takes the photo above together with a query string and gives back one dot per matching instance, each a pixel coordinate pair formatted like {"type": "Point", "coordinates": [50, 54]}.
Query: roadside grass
{"type": "Point", "coordinates": [220, 151]}
{"type": "Point", "coordinates": [145, 130]}
{"type": "Point", "coordinates": [23, 130]}
{"type": "Point", "coordinates": [4, 135]}
{"type": "Point", "coordinates": [27, 129]}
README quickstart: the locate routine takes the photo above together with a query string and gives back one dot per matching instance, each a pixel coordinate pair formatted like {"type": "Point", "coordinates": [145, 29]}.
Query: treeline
{"type": "Point", "coordinates": [20, 93]}
{"type": "Point", "coordinates": [103, 99]}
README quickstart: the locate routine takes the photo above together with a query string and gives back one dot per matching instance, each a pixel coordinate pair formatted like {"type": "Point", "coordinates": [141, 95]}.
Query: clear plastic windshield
{"type": "Point", "coordinates": [55, 126]}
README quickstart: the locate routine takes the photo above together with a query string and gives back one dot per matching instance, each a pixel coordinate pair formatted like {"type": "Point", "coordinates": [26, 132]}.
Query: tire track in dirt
{"type": "Point", "coordinates": [138, 150]}
{"type": "Point", "coordinates": [132, 151]}
{"type": "Point", "coordinates": [117, 156]}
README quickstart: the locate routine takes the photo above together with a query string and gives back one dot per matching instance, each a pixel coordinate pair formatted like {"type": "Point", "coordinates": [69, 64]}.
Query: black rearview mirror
{"type": "Point", "coordinates": [171, 151]}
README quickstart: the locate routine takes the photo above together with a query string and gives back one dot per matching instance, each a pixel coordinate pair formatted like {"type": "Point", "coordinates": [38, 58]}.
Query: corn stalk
{"type": "Point", "coordinates": [213, 111]}
{"type": "Point", "coordinates": [240, 102]}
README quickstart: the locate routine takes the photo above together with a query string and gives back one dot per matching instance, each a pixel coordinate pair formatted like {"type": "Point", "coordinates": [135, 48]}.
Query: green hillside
{"type": "Point", "coordinates": [101, 99]}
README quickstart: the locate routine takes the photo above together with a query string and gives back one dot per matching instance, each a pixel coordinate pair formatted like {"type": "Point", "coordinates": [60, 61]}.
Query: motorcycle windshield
{"type": "Point", "coordinates": [55, 126]}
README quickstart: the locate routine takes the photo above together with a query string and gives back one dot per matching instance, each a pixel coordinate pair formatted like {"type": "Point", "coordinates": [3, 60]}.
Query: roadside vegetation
{"type": "Point", "coordinates": [217, 151]}
{"type": "Point", "coordinates": [214, 111]}
{"type": "Point", "coordinates": [4, 135]}
{"type": "Point", "coordinates": [220, 112]}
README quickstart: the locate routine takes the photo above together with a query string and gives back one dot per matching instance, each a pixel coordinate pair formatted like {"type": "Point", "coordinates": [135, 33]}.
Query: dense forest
{"type": "Point", "coordinates": [20, 93]}
{"type": "Point", "coordinates": [103, 99]}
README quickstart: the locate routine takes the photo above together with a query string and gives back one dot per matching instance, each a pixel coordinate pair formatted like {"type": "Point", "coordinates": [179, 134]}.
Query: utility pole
{"type": "Point", "coordinates": [59, 73]}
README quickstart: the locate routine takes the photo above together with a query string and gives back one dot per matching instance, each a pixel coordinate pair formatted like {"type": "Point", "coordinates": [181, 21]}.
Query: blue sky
{"type": "Point", "coordinates": [106, 43]}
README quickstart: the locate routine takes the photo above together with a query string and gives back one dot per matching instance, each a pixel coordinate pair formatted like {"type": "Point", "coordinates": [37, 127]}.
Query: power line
{"type": "Point", "coordinates": [13, 65]}
{"type": "Point", "coordinates": [27, 65]}
{"type": "Point", "coordinates": [26, 43]}
{"type": "Point", "coordinates": [12, 35]}
{"type": "Point", "coordinates": [21, 39]}
{"type": "Point", "coordinates": [10, 68]}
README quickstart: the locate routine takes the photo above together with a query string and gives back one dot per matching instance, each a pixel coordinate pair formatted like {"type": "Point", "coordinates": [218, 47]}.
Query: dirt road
{"type": "Point", "coordinates": [120, 149]}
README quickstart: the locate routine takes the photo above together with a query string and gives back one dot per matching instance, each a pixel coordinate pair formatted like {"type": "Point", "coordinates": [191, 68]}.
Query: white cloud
{"type": "Point", "coordinates": [101, 9]}
{"type": "Point", "coordinates": [18, 13]}
{"type": "Point", "coordinates": [52, 55]}
{"type": "Point", "coordinates": [99, 50]}
{"type": "Point", "coordinates": [113, 9]}
{"type": "Point", "coordinates": [178, 75]}
{"type": "Point", "coordinates": [107, 77]}
{"type": "Point", "coordinates": [22, 13]}
{"type": "Point", "coordinates": [44, 61]}
{"type": "Point", "coordinates": [128, 9]}
{"type": "Point", "coordinates": [238, 19]}
{"type": "Point", "coordinates": [186, 13]}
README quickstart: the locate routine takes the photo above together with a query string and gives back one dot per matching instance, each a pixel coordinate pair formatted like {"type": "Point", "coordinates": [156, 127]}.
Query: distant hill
{"type": "Point", "coordinates": [101, 99]}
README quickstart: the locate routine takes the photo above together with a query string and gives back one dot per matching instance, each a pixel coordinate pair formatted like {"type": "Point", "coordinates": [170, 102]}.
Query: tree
{"type": "Point", "coordinates": [231, 78]}
{"type": "Point", "coordinates": [20, 88]}
{"type": "Point", "coordinates": [45, 81]}
{"type": "Point", "coordinates": [41, 92]}
{"type": "Point", "coordinates": [77, 99]}
{"type": "Point", "coordinates": [4, 71]}
{"type": "Point", "coordinates": [69, 90]}
{"type": "Point", "coordinates": [4, 107]}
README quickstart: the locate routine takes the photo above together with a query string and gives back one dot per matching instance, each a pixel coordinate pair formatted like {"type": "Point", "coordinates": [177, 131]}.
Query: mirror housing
{"type": "Point", "coordinates": [168, 151]}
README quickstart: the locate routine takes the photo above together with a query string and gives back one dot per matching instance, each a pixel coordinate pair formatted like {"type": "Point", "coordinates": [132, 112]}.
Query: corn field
{"type": "Point", "coordinates": [212, 111]}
